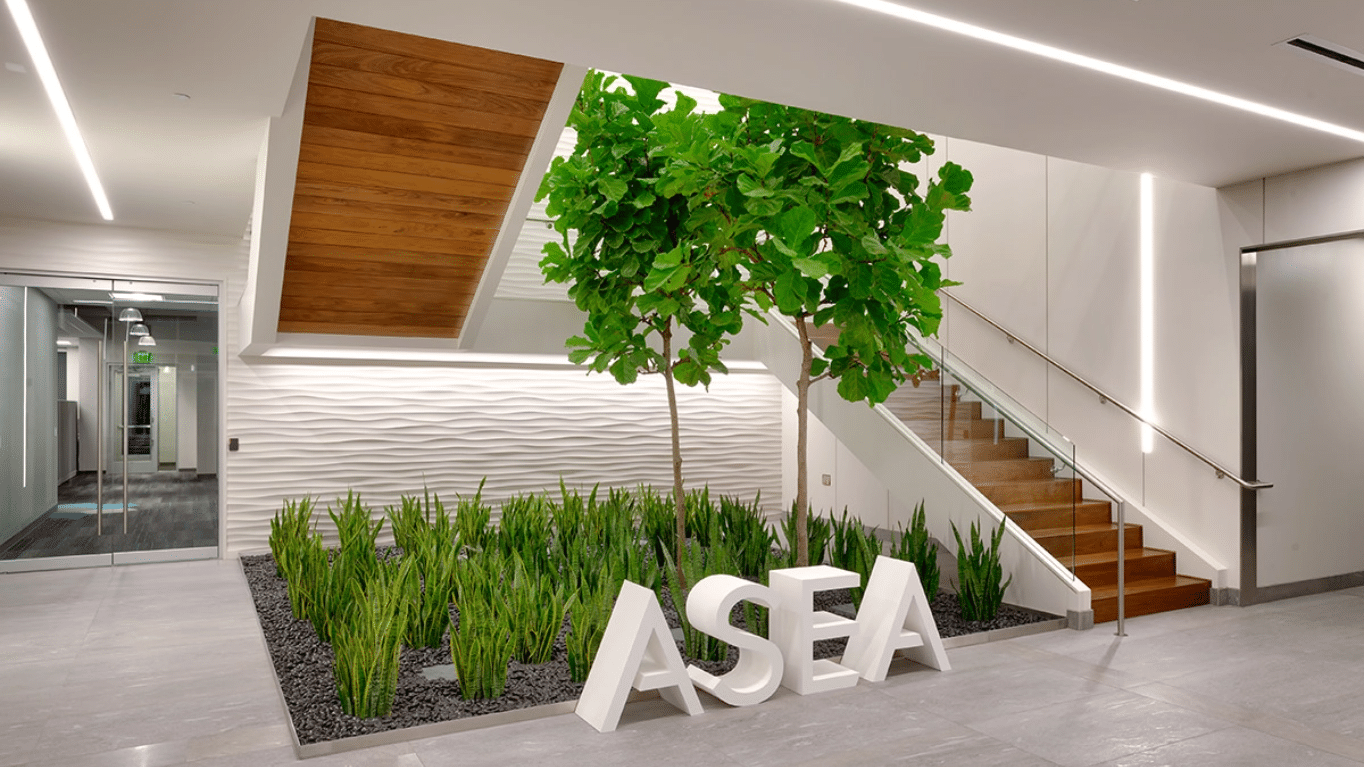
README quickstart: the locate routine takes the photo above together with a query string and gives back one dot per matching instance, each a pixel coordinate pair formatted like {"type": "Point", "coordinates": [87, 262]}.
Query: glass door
{"type": "Point", "coordinates": [132, 420]}
{"type": "Point", "coordinates": [141, 378]}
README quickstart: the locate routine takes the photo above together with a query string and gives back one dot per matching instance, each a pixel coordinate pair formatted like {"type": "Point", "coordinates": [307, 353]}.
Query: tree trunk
{"type": "Point", "coordinates": [679, 499]}
{"type": "Point", "coordinates": [802, 509]}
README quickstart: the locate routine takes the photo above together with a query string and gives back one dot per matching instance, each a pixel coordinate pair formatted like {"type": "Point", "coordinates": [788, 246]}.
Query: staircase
{"type": "Point", "coordinates": [1053, 511]}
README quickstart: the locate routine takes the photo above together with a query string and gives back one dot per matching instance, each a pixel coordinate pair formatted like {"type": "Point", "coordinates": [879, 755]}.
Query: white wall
{"type": "Point", "coordinates": [167, 412]}
{"type": "Point", "coordinates": [187, 427]}
{"type": "Point", "coordinates": [1308, 349]}
{"type": "Point", "coordinates": [387, 430]}
{"type": "Point", "coordinates": [28, 408]}
{"type": "Point", "coordinates": [86, 391]}
{"type": "Point", "coordinates": [1050, 250]}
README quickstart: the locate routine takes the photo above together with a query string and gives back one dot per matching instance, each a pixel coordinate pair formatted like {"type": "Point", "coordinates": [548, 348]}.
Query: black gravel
{"type": "Point", "coordinates": [303, 664]}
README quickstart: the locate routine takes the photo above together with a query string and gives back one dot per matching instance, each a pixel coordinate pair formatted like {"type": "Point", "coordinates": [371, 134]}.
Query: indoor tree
{"type": "Point", "coordinates": [633, 260]}
{"type": "Point", "coordinates": [831, 228]}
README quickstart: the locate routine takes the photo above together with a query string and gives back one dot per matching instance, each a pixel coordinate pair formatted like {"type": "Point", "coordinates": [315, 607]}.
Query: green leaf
{"type": "Point", "coordinates": [789, 299]}
{"type": "Point", "coordinates": [810, 267]}
{"type": "Point", "coordinates": [873, 245]}
{"type": "Point", "coordinates": [659, 277]}
{"type": "Point", "coordinates": [751, 188]}
{"type": "Point", "coordinates": [612, 188]}
{"type": "Point", "coordinates": [807, 151]}
{"type": "Point", "coordinates": [797, 224]}
{"type": "Point", "coordinates": [955, 178]}
{"type": "Point", "coordinates": [853, 192]}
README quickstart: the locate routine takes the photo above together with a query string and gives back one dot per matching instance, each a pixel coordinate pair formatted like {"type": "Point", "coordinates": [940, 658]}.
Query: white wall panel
{"type": "Point", "coordinates": [1093, 274]}
{"type": "Point", "coordinates": [1310, 334]}
{"type": "Point", "coordinates": [999, 254]}
{"type": "Point", "coordinates": [999, 249]}
{"type": "Point", "coordinates": [384, 431]}
{"type": "Point", "coordinates": [1315, 202]}
{"type": "Point", "coordinates": [1197, 326]}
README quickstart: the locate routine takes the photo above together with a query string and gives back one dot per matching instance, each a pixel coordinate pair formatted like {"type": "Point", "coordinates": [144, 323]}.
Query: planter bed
{"type": "Point", "coordinates": [303, 666]}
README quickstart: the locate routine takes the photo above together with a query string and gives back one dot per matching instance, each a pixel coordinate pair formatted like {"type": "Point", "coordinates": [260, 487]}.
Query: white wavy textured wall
{"type": "Point", "coordinates": [315, 429]}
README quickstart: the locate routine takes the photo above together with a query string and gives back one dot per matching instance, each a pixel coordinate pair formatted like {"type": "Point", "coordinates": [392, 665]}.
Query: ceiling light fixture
{"type": "Point", "coordinates": [140, 297]}
{"type": "Point", "coordinates": [1099, 65]}
{"type": "Point", "coordinates": [146, 341]}
{"type": "Point", "coordinates": [28, 30]}
{"type": "Point", "coordinates": [130, 315]}
{"type": "Point", "coordinates": [138, 329]}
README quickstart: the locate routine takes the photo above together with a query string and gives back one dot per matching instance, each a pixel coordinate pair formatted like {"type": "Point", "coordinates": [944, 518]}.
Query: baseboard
{"type": "Point", "coordinates": [1224, 597]}
{"type": "Point", "coordinates": [1307, 588]}
{"type": "Point", "coordinates": [1080, 620]}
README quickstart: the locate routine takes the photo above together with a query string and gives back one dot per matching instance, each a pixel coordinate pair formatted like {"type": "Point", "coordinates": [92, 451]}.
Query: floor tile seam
{"type": "Point", "coordinates": [181, 746]}
{"type": "Point", "coordinates": [1105, 675]}
{"type": "Point", "coordinates": [996, 739]}
{"type": "Point", "coordinates": [1273, 725]}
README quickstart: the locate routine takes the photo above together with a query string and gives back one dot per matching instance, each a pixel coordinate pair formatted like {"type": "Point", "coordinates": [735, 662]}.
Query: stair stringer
{"type": "Point", "coordinates": [911, 470]}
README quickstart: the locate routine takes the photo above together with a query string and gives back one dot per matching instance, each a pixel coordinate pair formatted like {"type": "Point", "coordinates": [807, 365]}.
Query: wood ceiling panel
{"type": "Point", "coordinates": [423, 112]}
{"type": "Point", "coordinates": [335, 206]}
{"type": "Point", "coordinates": [376, 160]}
{"type": "Point", "coordinates": [411, 151]}
{"type": "Point", "coordinates": [421, 92]}
{"type": "Point", "coordinates": [329, 116]}
{"type": "Point", "coordinates": [359, 258]}
{"type": "Point", "coordinates": [486, 159]}
{"type": "Point", "coordinates": [432, 72]}
{"type": "Point", "coordinates": [386, 241]}
{"type": "Point", "coordinates": [388, 179]}
{"type": "Point", "coordinates": [341, 326]}
{"type": "Point", "coordinates": [404, 197]}
{"type": "Point", "coordinates": [414, 47]}
{"type": "Point", "coordinates": [464, 234]}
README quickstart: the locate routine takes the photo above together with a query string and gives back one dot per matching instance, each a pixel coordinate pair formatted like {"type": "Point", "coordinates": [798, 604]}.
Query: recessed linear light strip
{"type": "Point", "coordinates": [24, 430]}
{"type": "Point", "coordinates": [37, 51]}
{"type": "Point", "coordinates": [1148, 310]}
{"type": "Point", "coordinates": [1099, 65]}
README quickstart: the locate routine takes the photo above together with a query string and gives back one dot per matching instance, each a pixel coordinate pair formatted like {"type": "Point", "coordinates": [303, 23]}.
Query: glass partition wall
{"type": "Point", "coordinates": [117, 461]}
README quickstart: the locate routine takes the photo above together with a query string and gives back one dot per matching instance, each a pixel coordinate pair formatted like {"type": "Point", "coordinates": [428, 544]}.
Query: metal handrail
{"type": "Point", "coordinates": [1222, 471]}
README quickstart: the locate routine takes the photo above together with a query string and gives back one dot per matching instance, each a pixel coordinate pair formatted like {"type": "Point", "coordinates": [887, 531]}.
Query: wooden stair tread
{"type": "Point", "coordinates": [1048, 505]}
{"type": "Point", "coordinates": [1006, 461]}
{"type": "Point", "coordinates": [1012, 482]}
{"type": "Point", "coordinates": [1050, 532]}
{"type": "Point", "coordinates": [1107, 557]}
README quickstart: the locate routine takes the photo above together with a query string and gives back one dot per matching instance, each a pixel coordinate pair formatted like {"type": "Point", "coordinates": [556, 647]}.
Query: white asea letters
{"type": "Point", "coordinates": [638, 651]}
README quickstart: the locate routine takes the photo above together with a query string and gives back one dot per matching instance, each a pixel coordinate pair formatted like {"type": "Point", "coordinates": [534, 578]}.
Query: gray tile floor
{"type": "Point", "coordinates": [162, 664]}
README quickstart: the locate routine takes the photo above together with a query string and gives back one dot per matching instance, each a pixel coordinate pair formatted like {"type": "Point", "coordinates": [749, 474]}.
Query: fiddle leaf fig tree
{"type": "Point", "coordinates": [633, 259]}
{"type": "Point", "coordinates": [832, 228]}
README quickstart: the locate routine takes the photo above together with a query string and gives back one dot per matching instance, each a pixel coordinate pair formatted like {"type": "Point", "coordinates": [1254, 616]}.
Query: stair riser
{"type": "Point", "coordinates": [984, 450]}
{"type": "Point", "coordinates": [1176, 598]}
{"type": "Point", "coordinates": [957, 429]}
{"type": "Point", "coordinates": [1090, 542]}
{"type": "Point", "coordinates": [1086, 513]}
{"type": "Point", "coordinates": [1106, 573]}
{"type": "Point", "coordinates": [1003, 471]}
{"type": "Point", "coordinates": [1059, 490]}
{"type": "Point", "coordinates": [931, 410]}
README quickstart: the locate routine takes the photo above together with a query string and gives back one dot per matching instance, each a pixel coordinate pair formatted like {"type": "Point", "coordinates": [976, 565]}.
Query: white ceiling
{"type": "Point", "coordinates": [190, 165]}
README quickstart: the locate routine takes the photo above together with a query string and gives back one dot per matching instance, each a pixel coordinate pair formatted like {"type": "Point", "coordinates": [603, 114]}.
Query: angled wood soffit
{"type": "Point", "coordinates": [410, 152]}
